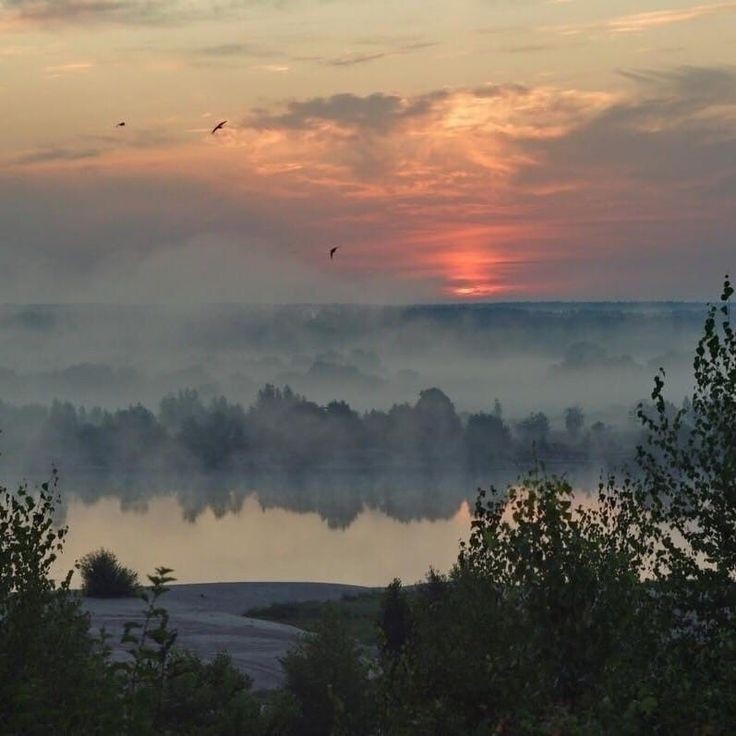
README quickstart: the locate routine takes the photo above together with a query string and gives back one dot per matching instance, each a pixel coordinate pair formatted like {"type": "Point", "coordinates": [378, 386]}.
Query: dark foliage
{"type": "Point", "coordinates": [104, 577]}
{"type": "Point", "coordinates": [358, 613]}
{"type": "Point", "coordinates": [328, 677]}
{"type": "Point", "coordinates": [49, 664]}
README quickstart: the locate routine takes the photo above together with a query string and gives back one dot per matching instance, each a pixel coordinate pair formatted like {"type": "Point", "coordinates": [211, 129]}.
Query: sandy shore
{"type": "Point", "coordinates": [209, 618]}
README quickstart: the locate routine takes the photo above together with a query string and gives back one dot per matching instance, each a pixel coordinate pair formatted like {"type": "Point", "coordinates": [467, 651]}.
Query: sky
{"type": "Point", "coordinates": [455, 150]}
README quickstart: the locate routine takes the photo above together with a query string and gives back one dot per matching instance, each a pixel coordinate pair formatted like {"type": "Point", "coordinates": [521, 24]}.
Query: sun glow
{"type": "Point", "coordinates": [477, 291]}
{"type": "Point", "coordinates": [482, 267]}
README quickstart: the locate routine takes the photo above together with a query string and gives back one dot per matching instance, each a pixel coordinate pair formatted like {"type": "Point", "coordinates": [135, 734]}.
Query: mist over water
{"type": "Point", "coordinates": [530, 356]}
{"type": "Point", "coordinates": [160, 427]}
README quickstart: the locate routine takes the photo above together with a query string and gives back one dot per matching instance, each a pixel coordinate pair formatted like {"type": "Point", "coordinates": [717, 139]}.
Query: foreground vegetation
{"type": "Point", "coordinates": [611, 617]}
{"type": "Point", "coordinates": [104, 577]}
{"type": "Point", "coordinates": [359, 614]}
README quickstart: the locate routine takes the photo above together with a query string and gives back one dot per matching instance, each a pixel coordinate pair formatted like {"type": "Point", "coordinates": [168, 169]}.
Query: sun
{"type": "Point", "coordinates": [476, 271]}
{"type": "Point", "coordinates": [476, 291]}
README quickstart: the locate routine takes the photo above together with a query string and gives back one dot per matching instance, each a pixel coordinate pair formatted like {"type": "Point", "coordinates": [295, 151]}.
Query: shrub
{"type": "Point", "coordinates": [168, 691]}
{"type": "Point", "coordinates": [53, 675]}
{"type": "Point", "coordinates": [206, 698]}
{"type": "Point", "coordinates": [543, 618]}
{"type": "Point", "coordinates": [329, 679]}
{"type": "Point", "coordinates": [104, 577]}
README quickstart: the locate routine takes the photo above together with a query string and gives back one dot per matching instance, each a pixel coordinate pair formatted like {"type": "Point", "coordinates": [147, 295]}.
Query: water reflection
{"type": "Point", "coordinates": [338, 497]}
{"type": "Point", "coordinates": [339, 527]}
{"type": "Point", "coordinates": [257, 544]}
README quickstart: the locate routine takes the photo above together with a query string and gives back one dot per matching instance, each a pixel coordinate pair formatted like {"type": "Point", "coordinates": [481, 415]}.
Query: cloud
{"type": "Point", "coordinates": [355, 58]}
{"type": "Point", "coordinates": [273, 68]}
{"type": "Point", "coordinates": [387, 48]}
{"type": "Point", "coordinates": [74, 67]}
{"type": "Point", "coordinates": [656, 18]}
{"type": "Point", "coordinates": [48, 155]}
{"type": "Point", "coordinates": [648, 20]}
{"type": "Point", "coordinates": [229, 49]}
{"type": "Point", "coordinates": [109, 234]}
{"type": "Point", "coordinates": [24, 13]}
{"type": "Point", "coordinates": [501, 30]}
{"type": "Point", "coordinates": [667, 142]}
{"type": "Point", "coordinates": [235, 50]}
{"type": "Point", "coordinates": [18, 15]}
{"type": "Point", "coordinates": [96, 146]}
{"type": "Point", "coordinates": [440, 140]}
{"type": "Point", "coordinates": [496, 190]}
{"type": "Point", "coordinates": [687, 87]}
{"type": "Point", "coordinates": [527, 48]}
{"type": "Point", "coordinates": [377, 111]}
{"type": "Point", "coordinates": [380, 112]}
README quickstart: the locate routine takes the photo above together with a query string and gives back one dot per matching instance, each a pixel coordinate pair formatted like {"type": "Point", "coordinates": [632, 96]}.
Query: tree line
{"type": "Point", "coordinates": [285, 431]}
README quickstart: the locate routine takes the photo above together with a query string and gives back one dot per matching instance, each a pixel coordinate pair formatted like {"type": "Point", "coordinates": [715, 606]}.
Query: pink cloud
{"type": "Point", "coordinates": [497, 191]}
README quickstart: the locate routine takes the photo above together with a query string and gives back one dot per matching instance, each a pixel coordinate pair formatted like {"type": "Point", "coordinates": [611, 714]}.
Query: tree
{"type": "Point", "coordinates": [209, 699]}
{"type": "Point", "coordinates": [175, 409]}
{"type": "Point", "coordinates": [688, 481]}
{"type": "Point", "coordinates": [534, 430]}
{"type": "Point", "coordinates": [488, 441]}
{"type": "Point", "coordinates": [574, 421]}
{"type": "Point", "coordinates": [104, 577]}
{"type": "Point", "coordinates": [53, 676]}
{"type": "Point", "coordinates": [394, 621]}
{"type": "Point", "coordinates": [328, 676]}
{"type": "Point", "coordinates": [497, 409]}
{"type": "Point", "coordinates": [689, 473]}
{"type": "Point", "coordinates": [438, 429]}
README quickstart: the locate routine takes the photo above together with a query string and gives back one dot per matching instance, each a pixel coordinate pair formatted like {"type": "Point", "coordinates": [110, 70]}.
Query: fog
{"type": "Point", "coordinates": [532, 357]}
{"type": "Point", "coordinates": [329, 409]}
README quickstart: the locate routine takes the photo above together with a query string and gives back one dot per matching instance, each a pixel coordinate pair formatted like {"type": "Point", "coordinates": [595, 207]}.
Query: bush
{"type": "Point", "coordinates": [329, 679]}
{"type": "Point", "coordinates": [104, 577]}
{"type": "Point", "coordinates": [54, 677]}
{"type": "Point", "coordinates": [208, 698]}
{"type": "Point", "coordinates": [543, 618]}
{"type": "Point", "coordinates": [168, 691]}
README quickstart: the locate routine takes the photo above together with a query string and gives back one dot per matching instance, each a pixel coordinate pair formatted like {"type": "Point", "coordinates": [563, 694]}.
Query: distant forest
{"type": "Point", "coordinates": [413, 461]}
{"type": "Point", "coordinates": [284, 432]}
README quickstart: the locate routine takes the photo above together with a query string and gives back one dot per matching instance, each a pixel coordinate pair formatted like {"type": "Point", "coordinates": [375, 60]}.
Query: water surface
{"type": "Point", "coordinates": [256, 544]}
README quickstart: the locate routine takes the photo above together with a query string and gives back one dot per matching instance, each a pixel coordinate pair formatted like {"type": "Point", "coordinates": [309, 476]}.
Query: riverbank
{"type": "Point", "coordinates": [209, 617]}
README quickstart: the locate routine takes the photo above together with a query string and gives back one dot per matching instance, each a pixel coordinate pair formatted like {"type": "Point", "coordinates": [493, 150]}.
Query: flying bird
{"type": "Point", "coordinates": [333, 251]}
{"type": "Point", "coordinates": [121, 124]}
{"type": "Point", "coordinates": [219, 126]}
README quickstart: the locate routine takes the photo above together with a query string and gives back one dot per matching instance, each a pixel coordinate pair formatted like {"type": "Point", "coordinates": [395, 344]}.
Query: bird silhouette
{"type": "Point", "coordinates": [219, 126]}
{"type": "Point", "coordinates": [333, 251]}
{"type": "Point", "coordinates": [121, 124]}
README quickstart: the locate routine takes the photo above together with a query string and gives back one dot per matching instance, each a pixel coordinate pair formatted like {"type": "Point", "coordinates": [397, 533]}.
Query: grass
{"type": "Point", "coordinates": [359, 611]}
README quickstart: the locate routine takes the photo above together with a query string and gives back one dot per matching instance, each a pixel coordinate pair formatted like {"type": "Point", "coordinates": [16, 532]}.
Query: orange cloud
{"type": "Point", "coordinates": [648, 20]}
{"type": "Point", "coordinates": [75, 67]}
{"type": "Point", "coordinates": [442, 143]}
{"type": "Point", "coordinates": [467, 193]}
